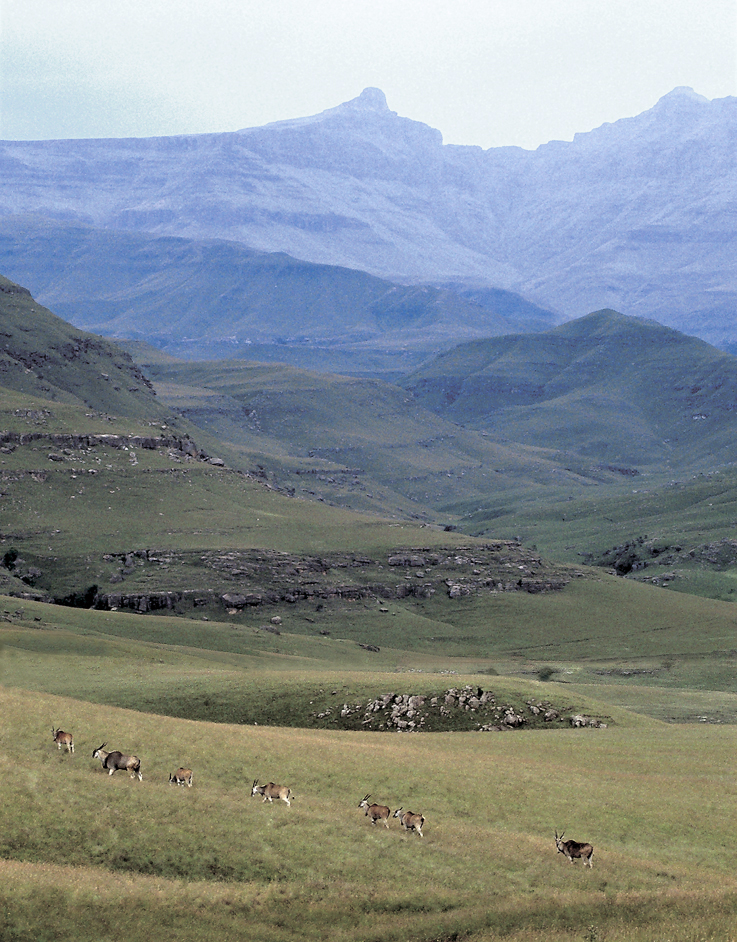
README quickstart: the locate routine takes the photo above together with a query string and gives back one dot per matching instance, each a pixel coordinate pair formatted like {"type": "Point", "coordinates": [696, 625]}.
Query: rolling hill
{"type": "Point", "coordinates": [603, 433]}
{"type": "Point", "coordinates": [605, 388]}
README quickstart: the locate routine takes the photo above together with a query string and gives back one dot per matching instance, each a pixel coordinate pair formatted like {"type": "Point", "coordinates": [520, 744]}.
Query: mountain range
{"type": "Point", "coordinates": [637, 215]}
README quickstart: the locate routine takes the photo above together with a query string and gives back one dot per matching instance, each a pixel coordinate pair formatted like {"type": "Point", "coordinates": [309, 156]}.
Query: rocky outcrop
{"type": "Point", "coordinates": [240, 581]}
{"type": "Point", "coordinates": [455, 708]}
{"type": "Point", "coordinates": [83, 442]}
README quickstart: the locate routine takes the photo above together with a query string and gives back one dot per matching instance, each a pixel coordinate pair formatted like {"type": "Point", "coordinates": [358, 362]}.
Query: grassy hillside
{"type": "Point", "coordinates": [680, 534]}
{"type": "Point", "coordinates": [370, 446]}
{"type": "Point", "coordinates": [360, 443]}
{"type": "Point", "coordinates": [44, 357]}
{"type": "Point", "coordinates": [214, 622]}
{"type": "Point", "coordinates": [604, 389]}
{"type": "Point", "coordinates": [210, 862]}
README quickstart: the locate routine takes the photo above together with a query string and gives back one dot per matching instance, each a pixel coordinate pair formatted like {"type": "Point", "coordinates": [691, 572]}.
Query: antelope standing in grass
{"type": "Point", "coordinates": [181, 777]}
{"type": "Point", "coordinates": [112, 761]}
{"type": "Point", "coordinates": [271, 791]}
{"type": "Point", "coordinates": [375, 812]}
{"type": "Point", "coordinates": [63, 739]}
{"type": "Point", "coordinates": [409, 820]}
{"type": "Point", "coordinates": [573, 850]}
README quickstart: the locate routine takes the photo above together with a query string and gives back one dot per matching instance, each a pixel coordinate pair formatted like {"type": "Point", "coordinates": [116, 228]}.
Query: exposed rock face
{"type": "Point", "coordinates": [575, 226]}
{"type": "Point", "coordinates": [83, 442]}
{"type": "Point", "coordinates": [256, 578]}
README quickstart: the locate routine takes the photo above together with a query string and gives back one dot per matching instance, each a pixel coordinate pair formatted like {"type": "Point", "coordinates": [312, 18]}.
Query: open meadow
{"type": "Point", "coordinates": [88, 856]}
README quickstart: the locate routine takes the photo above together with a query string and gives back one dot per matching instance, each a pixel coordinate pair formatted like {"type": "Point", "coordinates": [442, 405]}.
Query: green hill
{"type": "Point", "coordinates": [605, 389]}
{"type": "Point", "coordinates": [610, 392]}
{"type": "Point", "coordinates": [45, 357]}
{"type": "Point", "coordinates": [350, 441]}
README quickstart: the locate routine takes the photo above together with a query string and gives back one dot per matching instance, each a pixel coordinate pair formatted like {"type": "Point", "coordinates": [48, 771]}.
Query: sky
{"type": "Point", "coordinates": [484, 72]}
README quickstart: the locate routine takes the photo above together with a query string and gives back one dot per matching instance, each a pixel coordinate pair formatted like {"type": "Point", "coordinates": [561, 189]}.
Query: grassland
{"type": "Point", "coordinates": [86, 856]}
{"type": "Point", "coordinates": [288, 618]}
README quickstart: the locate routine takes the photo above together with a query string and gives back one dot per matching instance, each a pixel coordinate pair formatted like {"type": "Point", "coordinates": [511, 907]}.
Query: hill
{"type": "Point", "coordinates": [206, 300]}
{"type": "Point", "coordinates": [633, 215]}
{"type": "Point", "coordinates": [603, 434]}
{"type": "Point", "coordinates": [354, 442]}
{"type": "Point", "coordinates": [606, 389]}
{"type": "Point", "coordinates": [130, 509]}
{"type": "Point", "coordinates": [45, 357]}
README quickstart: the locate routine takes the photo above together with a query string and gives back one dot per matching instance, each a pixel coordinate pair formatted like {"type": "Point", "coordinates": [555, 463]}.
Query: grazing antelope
{"type": "Point", "coordinates": [181, 777]}
{"type": "Point", "coordinates": [112, 761]}
{"type": "Point", "coordinates": [375, 812]}
{"type": "Point", "coordinates": [271, 791]}
{"type": "Point", "coordinates": [573, 850]}
{"type": "Point", "coordinates": [410, 821]}
{"type": "Point", "coordinates": [63, 739]}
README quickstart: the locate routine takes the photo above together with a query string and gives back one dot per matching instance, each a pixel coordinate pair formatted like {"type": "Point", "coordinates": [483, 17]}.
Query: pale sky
{"type": "Point", "coordinates": [486, 72]}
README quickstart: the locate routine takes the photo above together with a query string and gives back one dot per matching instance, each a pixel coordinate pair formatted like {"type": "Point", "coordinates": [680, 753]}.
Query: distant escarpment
{"type": "Point", "coordinates": [636, 215]}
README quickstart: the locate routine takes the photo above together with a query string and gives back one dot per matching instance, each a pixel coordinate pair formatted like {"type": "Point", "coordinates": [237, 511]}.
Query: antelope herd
{"type": "Point", "coordinates": [409, 820]}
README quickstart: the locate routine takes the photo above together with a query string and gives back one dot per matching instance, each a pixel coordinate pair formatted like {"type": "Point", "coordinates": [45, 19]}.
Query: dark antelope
{"type": "Point", "coordinates": [63, 739]}
{"type": "Point", "coordinates": [574, 850]}
{"type": "Point", "coordinates": [410, 821]}
{"type": "Point", "coordinates": [181, 777]}
{"type": "Point", "coordinates": [112, 761]}
{"type": "Point", "coordinates": [375, 812]}
{"type": "Point", "coordinates": [271, 791]}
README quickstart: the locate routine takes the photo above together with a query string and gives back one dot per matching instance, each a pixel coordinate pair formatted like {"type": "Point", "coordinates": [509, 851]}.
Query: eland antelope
{"type": "Point", "coordinates": [375, 812]}
{"type": "Point", "coordinates": [63, 739]}
{"type": "Point", "coordinates": [181, 777]}
{"type": "Point", "coordinates": [271, 791]}
{"type": "Point", "coordinates": [409, 820]}
{"type": "Point", "coordinates": [573, 850]}
{"type": "Point", "coordinates": [112, 761]}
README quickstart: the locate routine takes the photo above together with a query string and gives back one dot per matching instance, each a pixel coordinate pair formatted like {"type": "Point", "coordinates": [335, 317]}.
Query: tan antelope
{"type": "Point", "coordinates": [573, 850]}
{"type": "Point", "coordinates": [112, 761]}
{"type": "Point", "coordinates": [63, 739]}
{"type": "Point", "coordinates": [181, 777]}
{"type": "Point", "coordinates": [271, 791]}
{"type": "Point", "coordinates": [409, 820]}
{"type": "Point", "coordinates": [375, 812]}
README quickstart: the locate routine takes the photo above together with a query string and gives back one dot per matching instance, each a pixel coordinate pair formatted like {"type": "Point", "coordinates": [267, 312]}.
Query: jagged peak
{"type": "Point", "coordinates": [370, 103]}
{"type": "Point", "coordinates": [370, 99]}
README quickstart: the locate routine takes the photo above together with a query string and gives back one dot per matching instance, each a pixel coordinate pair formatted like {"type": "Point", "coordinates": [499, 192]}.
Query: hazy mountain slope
{"type": "Point", "coordinates": [606, 388]}
{"type": "Point", "coordinates": [209, 299]}
{"type": "Point", "coordinates": [636, 215]}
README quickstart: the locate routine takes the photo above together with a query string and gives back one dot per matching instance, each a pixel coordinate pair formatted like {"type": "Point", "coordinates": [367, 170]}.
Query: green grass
{"type": "Point", "coordinates": [212, 863]}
